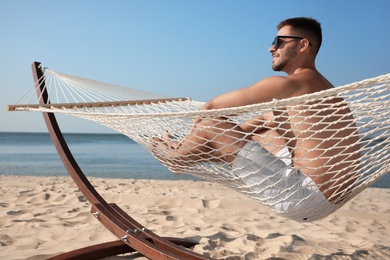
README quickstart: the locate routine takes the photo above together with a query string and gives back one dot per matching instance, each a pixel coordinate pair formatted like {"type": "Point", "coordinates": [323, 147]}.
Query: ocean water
{"type": "Point", "coordinates": [98, 155]}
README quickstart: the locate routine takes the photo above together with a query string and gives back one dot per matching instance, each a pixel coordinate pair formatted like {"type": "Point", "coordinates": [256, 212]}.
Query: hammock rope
{"type": "Point", "coordinates": [349, 126]}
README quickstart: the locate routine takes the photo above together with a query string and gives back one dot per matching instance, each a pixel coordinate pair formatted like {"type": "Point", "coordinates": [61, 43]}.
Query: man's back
{"type": "Point", "coordinates": [323, 140]}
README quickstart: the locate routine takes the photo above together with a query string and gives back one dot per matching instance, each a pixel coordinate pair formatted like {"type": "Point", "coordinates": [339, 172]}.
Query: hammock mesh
{"type": "Point", "coordinates": [348, 124]}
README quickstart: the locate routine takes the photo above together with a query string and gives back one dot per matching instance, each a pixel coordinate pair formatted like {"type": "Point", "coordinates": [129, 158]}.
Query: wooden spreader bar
{"type": "Point", "coordinates": [95, 104]}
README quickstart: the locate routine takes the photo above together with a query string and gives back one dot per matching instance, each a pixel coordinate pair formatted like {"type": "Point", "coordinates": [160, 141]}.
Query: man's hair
{"type": "Point", "coordinates": [307, 27]}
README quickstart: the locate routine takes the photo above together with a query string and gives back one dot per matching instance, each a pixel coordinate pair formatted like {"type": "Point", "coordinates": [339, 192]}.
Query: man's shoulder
{"type": "Point", "coordinates": [278, 87]}
{"type": "Point", "coordinates": [277, 80]}
{"type": "Point", "coordinates": [283, 82]}
{"type": "Point", "coordinates": [309, 81]}
{"type": "Point", "coordinates": [297, 84]}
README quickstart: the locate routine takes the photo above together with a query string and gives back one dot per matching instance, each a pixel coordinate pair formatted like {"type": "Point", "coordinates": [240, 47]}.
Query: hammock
{"type": "Point", "coordinates": [350, 132]}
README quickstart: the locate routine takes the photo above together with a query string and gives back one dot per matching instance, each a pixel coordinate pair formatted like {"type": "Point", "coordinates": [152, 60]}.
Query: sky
{"type": "Point", "coordinates": [178, 48]}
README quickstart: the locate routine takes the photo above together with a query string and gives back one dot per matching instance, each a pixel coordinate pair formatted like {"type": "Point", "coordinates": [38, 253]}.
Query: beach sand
{"type": "Point", "coordinates": [44, 216]}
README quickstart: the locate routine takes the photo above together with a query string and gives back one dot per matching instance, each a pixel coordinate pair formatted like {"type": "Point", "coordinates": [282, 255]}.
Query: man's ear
{"type": "Point", "coordinates": [304, 44]}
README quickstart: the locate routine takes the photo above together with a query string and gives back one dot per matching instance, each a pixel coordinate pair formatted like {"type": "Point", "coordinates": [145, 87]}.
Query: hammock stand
{"type": "Point", "coordinates": [133, 236]}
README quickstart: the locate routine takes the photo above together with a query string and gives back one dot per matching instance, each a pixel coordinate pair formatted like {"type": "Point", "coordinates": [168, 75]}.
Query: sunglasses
{"type": "Point", "coordinates": [277, 41]}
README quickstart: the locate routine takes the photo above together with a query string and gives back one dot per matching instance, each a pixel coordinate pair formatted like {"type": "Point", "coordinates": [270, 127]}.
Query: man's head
{"type": "Point", "coordinates": [297, 44]}
{"type": "Point", "coordinates": [305, 27]}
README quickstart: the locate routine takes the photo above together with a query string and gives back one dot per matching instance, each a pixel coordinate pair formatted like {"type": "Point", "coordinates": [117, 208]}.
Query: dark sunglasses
{"type": "Point", "coordinates": [276, 41]}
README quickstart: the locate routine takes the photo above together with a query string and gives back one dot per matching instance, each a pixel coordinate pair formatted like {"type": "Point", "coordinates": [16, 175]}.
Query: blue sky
{"type": "Point", "coordinates": [195, 49]}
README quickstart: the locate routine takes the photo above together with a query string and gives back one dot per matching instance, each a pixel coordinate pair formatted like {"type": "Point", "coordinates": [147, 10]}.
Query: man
{"type": "Point", "coordinates": [272, 148]}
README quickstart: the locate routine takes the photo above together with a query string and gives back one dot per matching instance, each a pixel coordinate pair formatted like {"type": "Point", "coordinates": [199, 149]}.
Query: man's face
{"type": "Point", "coordinates": [287, 50]}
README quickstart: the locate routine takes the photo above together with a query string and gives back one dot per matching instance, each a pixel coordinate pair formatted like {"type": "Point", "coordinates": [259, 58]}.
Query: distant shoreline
{"type": "Point", "coordinates": [105, 155]}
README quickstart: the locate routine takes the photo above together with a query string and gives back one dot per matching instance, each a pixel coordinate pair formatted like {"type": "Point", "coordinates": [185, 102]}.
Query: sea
{"type": "Point", "coordinates": [98, 155]}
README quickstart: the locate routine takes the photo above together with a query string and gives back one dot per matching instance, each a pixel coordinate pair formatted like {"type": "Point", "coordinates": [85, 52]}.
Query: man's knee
{"type": "Point", "coordinates": [218, 123]}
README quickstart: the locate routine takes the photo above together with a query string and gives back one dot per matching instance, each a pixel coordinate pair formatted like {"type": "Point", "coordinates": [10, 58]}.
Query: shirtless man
{"type": "Point", "coordinates": [293, 50]}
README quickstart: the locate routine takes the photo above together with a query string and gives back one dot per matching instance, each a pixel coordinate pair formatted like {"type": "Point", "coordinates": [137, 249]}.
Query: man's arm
{"type": "Point", "coordinates": [264, 90]}
{"type": "Point", "coordinates": [259, 123]}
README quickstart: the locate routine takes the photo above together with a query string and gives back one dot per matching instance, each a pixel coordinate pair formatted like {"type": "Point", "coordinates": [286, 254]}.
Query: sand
{"type": "Point", "coordinates": [44, 216]}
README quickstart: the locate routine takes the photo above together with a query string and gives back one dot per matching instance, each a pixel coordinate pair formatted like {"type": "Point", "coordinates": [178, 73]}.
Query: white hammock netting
{"type": "Point", "coordinates": [331, 146]}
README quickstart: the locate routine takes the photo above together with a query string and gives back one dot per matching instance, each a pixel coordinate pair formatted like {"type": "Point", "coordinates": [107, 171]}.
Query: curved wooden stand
{"type": "Point", "coordinates": [133, 236]}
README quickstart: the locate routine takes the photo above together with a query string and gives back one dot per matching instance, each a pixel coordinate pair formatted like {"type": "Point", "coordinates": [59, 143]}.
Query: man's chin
{"type": "Point", "coordinates": [277, 67]}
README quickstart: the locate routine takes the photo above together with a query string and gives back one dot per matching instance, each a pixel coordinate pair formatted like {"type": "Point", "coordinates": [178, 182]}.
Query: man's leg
{"type": "Point", "coordinates": [210, 140]}
{"type": "Point", "coordinates": [219, 137]}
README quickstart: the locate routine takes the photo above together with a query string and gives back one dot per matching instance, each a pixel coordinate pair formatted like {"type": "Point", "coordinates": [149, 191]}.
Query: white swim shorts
{"type": "Point", "coordinates": [273, 180]}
